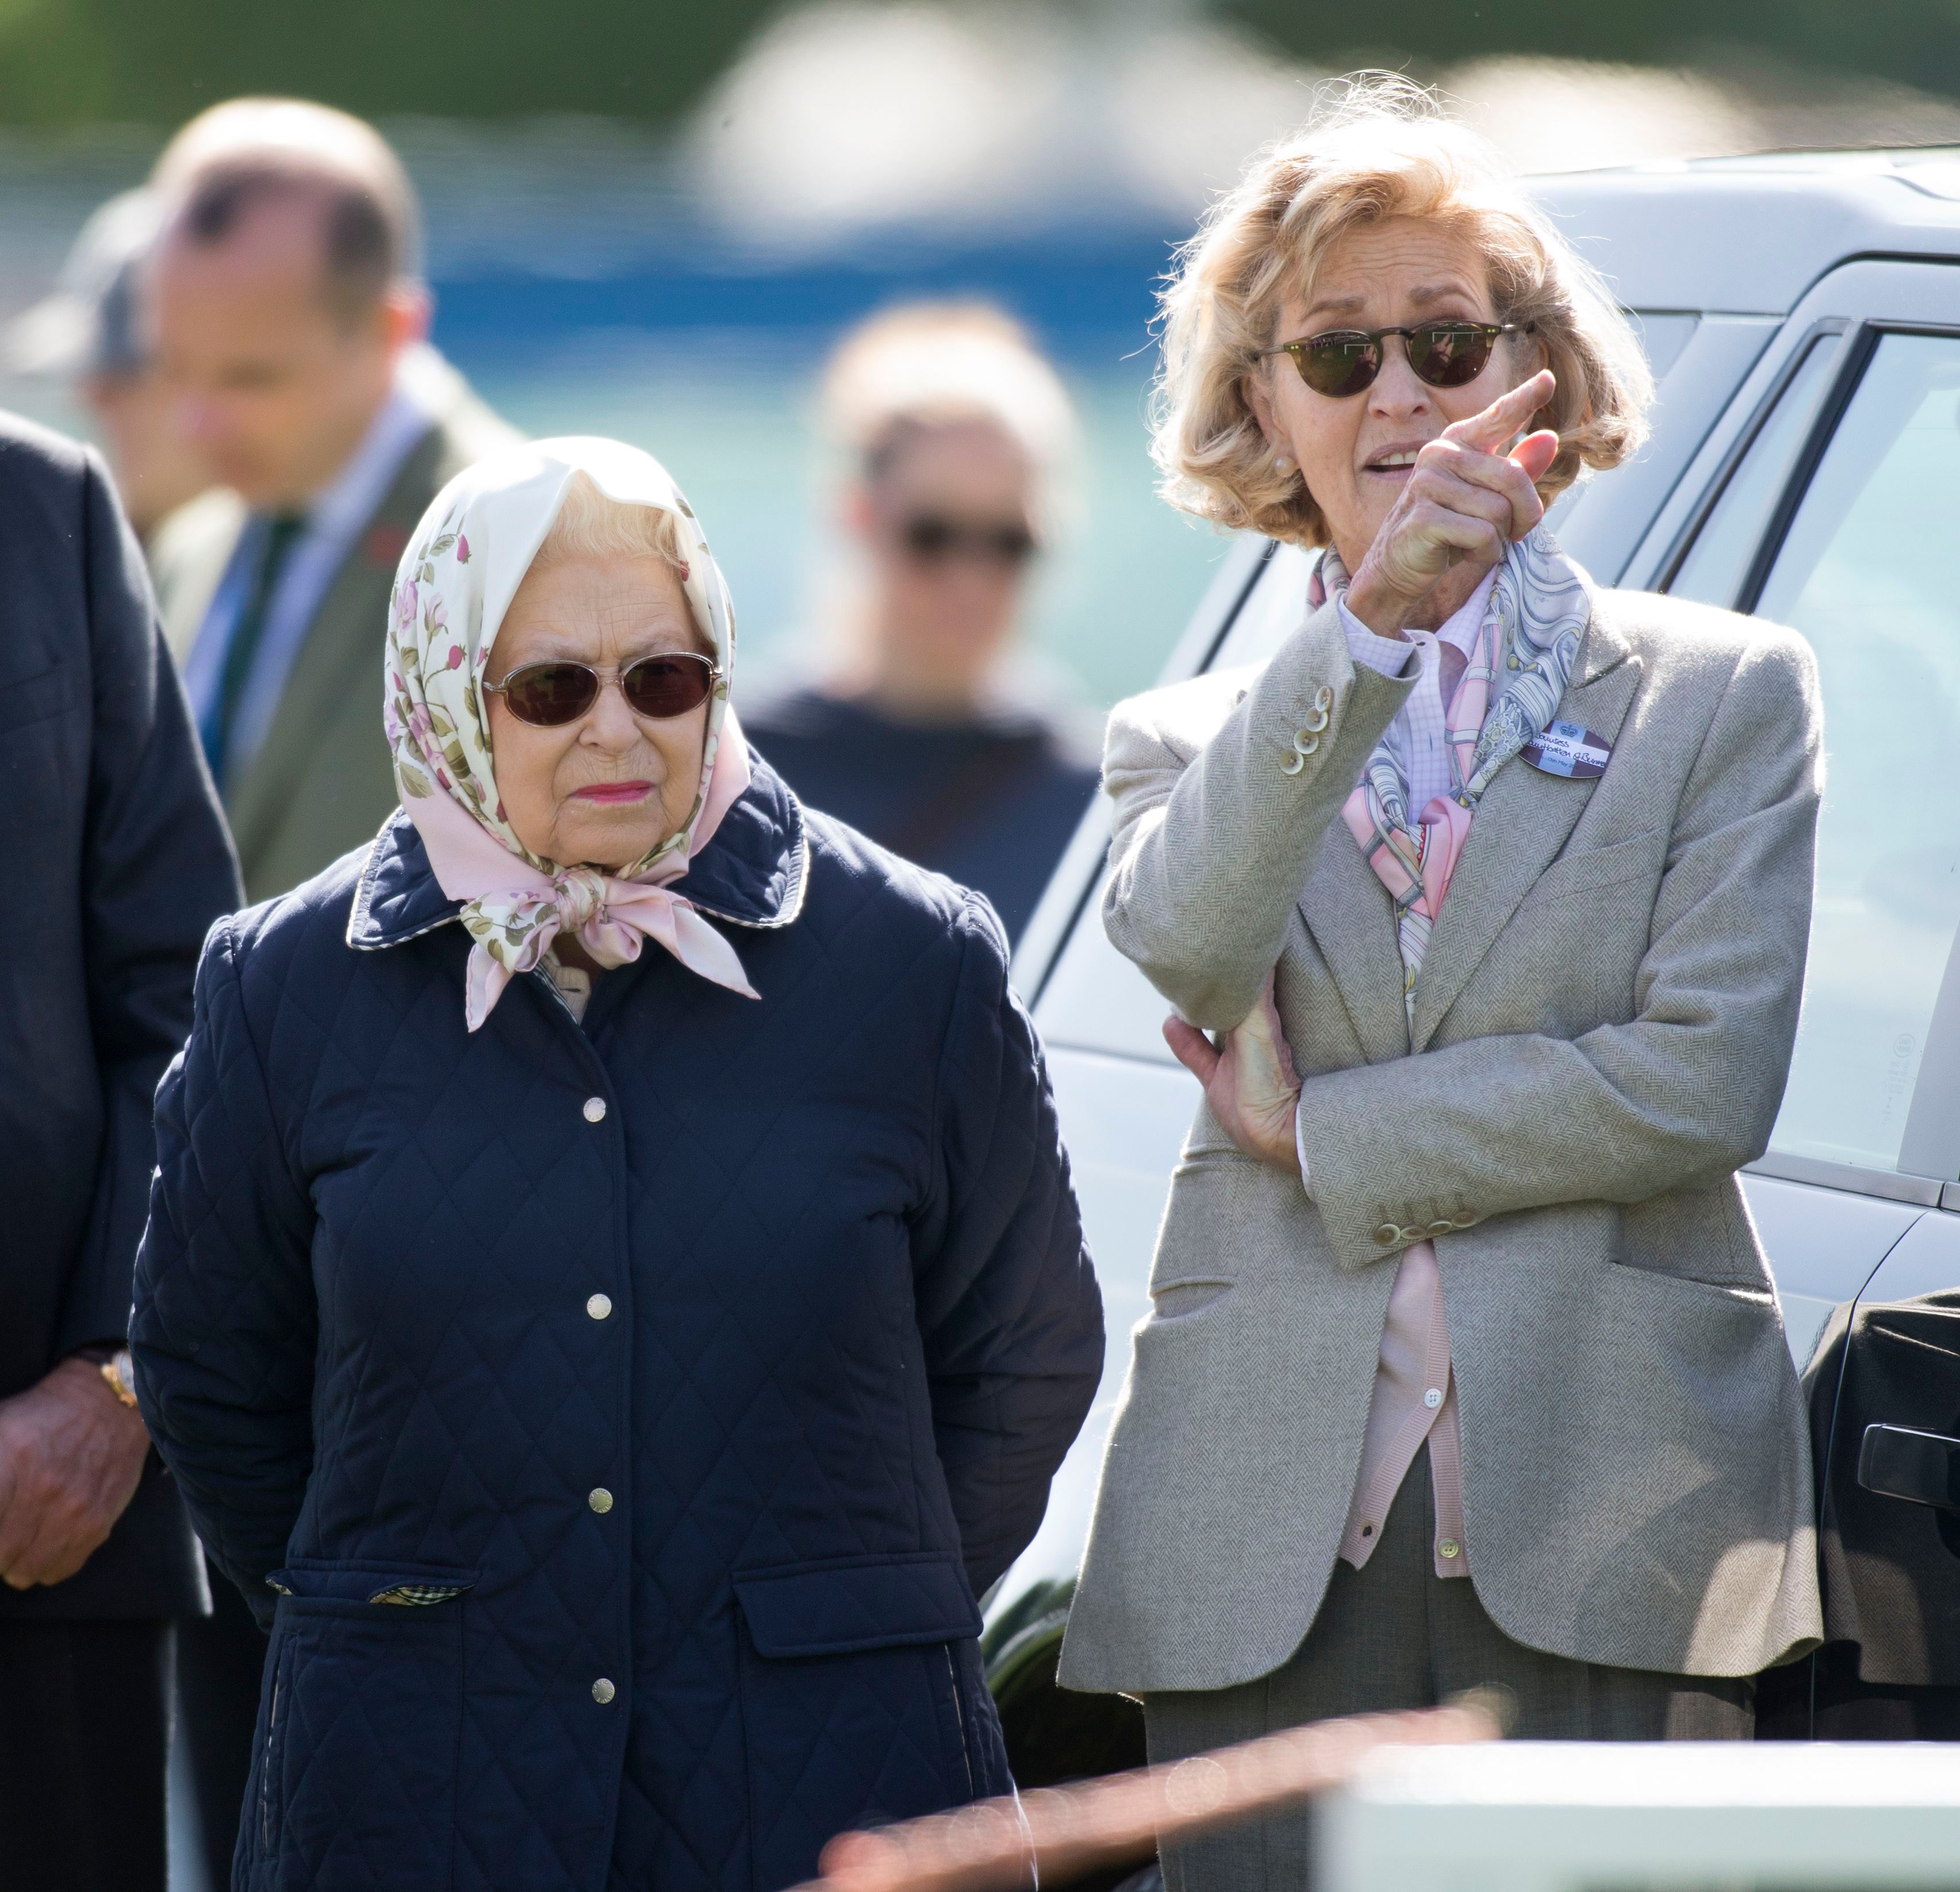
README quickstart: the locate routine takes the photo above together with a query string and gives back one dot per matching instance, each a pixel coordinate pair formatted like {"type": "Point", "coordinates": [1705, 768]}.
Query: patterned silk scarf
{"type": "Point", "coordinates": [1536, 614]}
{"type": "Point", "coordinates": [456, 581]}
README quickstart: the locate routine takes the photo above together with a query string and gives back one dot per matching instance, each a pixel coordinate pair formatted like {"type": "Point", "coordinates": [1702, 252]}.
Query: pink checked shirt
{"type": "Point", "coordinates": [1415, 1392]}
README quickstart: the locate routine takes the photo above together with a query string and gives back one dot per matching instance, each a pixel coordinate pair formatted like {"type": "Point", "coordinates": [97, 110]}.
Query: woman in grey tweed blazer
{"type": "Point", "coordinates": [1464, 1364]}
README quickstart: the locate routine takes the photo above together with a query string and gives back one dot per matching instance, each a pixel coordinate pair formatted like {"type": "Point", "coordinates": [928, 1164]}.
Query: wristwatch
{"type": "Point", "coordinates": [117, 1369]}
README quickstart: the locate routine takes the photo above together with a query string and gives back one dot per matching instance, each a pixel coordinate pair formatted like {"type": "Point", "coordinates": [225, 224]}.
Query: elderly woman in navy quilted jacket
{"type": "Point", "coordinates": [613, 1296]}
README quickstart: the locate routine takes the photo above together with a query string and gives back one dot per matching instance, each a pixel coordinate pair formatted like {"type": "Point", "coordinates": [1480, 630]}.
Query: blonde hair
{"type": "Point", "coordinates": [1383, 148]}
{"type": "Point", "coordinates": [928, 364]}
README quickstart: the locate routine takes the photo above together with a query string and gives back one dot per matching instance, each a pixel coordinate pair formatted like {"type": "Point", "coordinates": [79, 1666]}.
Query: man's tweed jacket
{"type": "Point", "coordinates": [1602, 1030]}
{"type": "Point", "coordinates": [322, 781]}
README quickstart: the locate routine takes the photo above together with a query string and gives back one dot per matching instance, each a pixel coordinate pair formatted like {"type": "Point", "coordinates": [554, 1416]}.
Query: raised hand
{"type": "Point", "coordinates": [1249, 1079]}
{"type": "Point", "coordinates": [1465, 500]}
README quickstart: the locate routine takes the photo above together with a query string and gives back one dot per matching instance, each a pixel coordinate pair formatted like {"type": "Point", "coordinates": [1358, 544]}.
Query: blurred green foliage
{"type": "Point", "coordinates": [1914, 42]}
{"type": "Point", "coordinates": [156, 61]}
{"type": "Point", "coordinates": [64, 62]}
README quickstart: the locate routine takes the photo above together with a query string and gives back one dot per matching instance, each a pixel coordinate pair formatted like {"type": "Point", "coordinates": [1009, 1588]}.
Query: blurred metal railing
{"type": "Point", "coordinates": [1060, 1833]}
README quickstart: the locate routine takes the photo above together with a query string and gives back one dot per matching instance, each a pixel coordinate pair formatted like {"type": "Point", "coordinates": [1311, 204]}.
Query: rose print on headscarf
{"type": "Point", "coordinates": [454, 584]}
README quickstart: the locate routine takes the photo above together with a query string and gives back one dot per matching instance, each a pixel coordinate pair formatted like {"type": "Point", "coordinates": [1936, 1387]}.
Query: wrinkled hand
{"type": "Point", "coordinates": [1249, 1079]}
{"type": "Point", "coordinates": [70, 1456]}
{"type": "Point", "coordinates": [1465, 500]}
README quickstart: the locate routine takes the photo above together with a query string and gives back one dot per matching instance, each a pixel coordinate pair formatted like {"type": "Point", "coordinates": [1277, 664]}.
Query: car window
{"type": "Point", "coordinates": [1719, 559]}
{"type": "Point", "coordinates": [1870, 572]}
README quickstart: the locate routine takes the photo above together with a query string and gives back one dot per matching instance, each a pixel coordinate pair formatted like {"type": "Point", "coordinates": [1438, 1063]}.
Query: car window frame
{"type": "Point", "coordinates": [1739, 448]}
{"type": "Point", "coordinates": [1929, 1146]}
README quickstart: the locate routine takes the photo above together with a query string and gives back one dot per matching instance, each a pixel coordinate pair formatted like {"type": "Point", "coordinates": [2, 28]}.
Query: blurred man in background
{"type": "Point", "coordinates": [913, 732]}
{"type": "Point", "coordinates": [288, 318]}
{"type": "Point", "coordinates": [87, 332]}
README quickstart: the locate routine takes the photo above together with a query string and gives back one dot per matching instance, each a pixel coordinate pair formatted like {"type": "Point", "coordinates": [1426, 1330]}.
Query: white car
{"type": "Point", "coordinates": [1801, 315]}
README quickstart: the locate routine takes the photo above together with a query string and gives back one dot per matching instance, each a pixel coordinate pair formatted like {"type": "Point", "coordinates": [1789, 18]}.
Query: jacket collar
{"type": "Point", "coordinates": [753, 873]}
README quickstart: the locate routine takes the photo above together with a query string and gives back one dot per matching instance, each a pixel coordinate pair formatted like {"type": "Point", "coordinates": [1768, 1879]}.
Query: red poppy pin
{"type": "Point", "coordinates": [384, 544]}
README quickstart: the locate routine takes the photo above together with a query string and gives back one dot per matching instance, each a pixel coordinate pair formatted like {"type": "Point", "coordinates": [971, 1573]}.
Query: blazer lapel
{"type": "Point", "coordinates": [1352, 920]}
{"type": "Point", "coordinates": [342, 651]}
{"type": "Point", "coordinates": [1522, 823]}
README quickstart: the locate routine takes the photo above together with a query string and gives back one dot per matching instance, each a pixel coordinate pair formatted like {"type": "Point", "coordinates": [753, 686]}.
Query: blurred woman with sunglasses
{"type": "Point", "coordinates": [915, 732]}
{"type": "Point", "coordinates": [613, 1297]}
{"type": "Point", "coordinates": [1484, 906]}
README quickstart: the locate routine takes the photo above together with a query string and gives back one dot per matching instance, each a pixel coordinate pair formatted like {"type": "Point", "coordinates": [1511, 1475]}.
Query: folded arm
{"type": "Point", "coordinates": [1221, 808]}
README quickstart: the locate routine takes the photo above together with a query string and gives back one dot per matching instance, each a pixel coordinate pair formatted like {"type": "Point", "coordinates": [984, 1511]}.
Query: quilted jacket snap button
{"type": "Point", "coordinates": [598, 1306]}
{"type": "Point", "coordinates": [602, 1691]}
{"type": "Point", "coordinates": [599, 1499]}
{"type": "Point", "coordinates": [595, 1110]}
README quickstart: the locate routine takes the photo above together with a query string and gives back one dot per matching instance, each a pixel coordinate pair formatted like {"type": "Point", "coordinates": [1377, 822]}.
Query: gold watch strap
{"type": "Point", "coordinates": [120, 1371]}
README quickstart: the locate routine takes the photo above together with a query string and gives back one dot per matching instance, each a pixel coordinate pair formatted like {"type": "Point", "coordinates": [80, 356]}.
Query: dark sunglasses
{"type": "Point", "coordinates": [933, 540]}
{"type": "Point", "coordinates": [551, 694]}
{"type": "Point", "coordinates": [1345, 361]}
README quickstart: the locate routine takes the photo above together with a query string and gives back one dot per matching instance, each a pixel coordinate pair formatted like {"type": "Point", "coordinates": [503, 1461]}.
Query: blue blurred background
{"type": "Point", "coordinates": [653, 223]}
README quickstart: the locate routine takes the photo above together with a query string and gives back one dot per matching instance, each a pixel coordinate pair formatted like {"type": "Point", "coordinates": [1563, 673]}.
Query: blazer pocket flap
{"type": "Point", "coordinates": [836, 1609]}
{"type": "Point", "coordinates": [1630, 860]}
{"type": "Point", "coordinates": [412, 1584]}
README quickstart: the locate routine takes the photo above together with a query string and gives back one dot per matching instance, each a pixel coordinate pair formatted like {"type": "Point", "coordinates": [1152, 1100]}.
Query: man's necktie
{"type": "Point", "coordinates": [277, 534]}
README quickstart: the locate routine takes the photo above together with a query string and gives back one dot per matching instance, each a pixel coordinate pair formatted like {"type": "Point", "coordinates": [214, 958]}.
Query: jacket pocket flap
{"type": "Point", "coordinates": [1638, 855]}
{"type": "Point", "coordinates": [834, 1609]}
{"type": "Point", "coordinates": [412, 1584]}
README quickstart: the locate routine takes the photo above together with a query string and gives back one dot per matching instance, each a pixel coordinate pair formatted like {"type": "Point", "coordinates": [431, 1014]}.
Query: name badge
{"type": "Point", "coordinates": [1566, 749]}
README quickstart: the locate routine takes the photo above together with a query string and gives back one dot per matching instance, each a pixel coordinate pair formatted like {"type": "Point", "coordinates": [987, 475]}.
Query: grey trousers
{"type": "Point", "coordinates": [1396, 1635]}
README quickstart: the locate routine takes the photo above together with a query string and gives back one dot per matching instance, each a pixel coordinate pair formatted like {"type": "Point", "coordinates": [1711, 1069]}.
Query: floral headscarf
{"type": "Point", "coordinates": [455, 583]}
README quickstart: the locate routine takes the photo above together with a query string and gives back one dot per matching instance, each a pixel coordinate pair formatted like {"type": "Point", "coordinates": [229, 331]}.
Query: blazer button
{"type": "Point", "coordinates": [1441, 1227]}
{"type": "Point", "coordinates": [1410, 1235]}
{"type": "Point", "coordinates": [1307, 740]}
{"type": "Point", "coordinates": [602, 1691]}
{"type": "Point", "coordinates": [1323, 697]}
{"type": "Point", "coordinates": [1465, 1222]}
{"type": "Point", "coordinates": [595, 1110]}
{"type": "Point", "coordinates": [1386, 1233]}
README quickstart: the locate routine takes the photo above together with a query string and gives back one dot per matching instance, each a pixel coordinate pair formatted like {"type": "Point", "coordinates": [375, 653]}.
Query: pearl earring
{"type": "Point", "coordinates": [1282, 465]}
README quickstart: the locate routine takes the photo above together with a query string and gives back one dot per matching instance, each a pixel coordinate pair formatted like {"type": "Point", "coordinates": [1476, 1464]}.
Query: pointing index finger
{"type": "Point", "coordinates": [1505, 416]}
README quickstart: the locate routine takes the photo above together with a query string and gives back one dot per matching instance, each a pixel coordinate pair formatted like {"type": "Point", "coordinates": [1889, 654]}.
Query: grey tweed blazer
{"type": "Point", "coordinates": [1602, 1035]}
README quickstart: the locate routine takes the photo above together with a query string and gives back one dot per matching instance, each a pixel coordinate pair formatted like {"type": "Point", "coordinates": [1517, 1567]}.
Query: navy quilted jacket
{"type": "Point", "coordinates": [623, 1419]}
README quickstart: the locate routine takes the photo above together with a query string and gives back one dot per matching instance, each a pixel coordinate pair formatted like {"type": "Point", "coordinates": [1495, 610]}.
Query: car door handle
{"type": "Point", "coordinates": [1924, 1468]}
